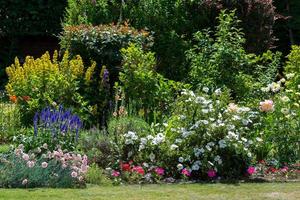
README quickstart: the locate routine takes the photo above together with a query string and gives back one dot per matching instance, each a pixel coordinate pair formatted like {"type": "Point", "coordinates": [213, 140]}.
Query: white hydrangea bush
{"type": "Point", "coordinates": [207, 132]}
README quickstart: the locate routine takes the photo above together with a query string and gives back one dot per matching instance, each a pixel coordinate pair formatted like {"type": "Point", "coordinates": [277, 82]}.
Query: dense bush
{"type": "Point", "coordinates": [204, 134]}
{"type": "Point", "coordinates": [280, 129]}
{"type": "Point", "coordinates": [10, 119]}
{"type": "Point", "coordinates": [49, 82]}
{"type": "Point", "coordinates": [223, 61]}
{"type": "Point", "coordinates": [150, 91]}
{"type": "Point", "coordinates": [32, 17]}
{"type": "Point", "coordinates": [42, 168]}
{"type": "Point", "coordinates": [174, 22]}
{"type": "Point", "coordinates": [292, 69]}
{"type": "Point", "coordinates": [103, 43]}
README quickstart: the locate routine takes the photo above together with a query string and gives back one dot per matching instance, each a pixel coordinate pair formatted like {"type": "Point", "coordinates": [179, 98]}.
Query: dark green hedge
{"type": "Point", "coordinates": [31, 17]}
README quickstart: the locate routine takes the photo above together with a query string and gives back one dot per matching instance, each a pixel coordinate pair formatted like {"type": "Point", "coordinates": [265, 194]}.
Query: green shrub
{"type": "Point", "coordinates": [223, 61]}
{"type": "Point", "coordinates": [43, 82]}
{"type": "Point", "coordinates": [96, 176]}
{"type": "Point", "coordinates": [90, 12]}
{"type": "Point", "coordinates": [292, 68]}
{"type": "Point", "coordinates": [174, 22]}
{"type": "Point", "coordinates": [32, 17]}
{"type": "Point", "coordinates": [205, 132]}
{"type": "Point", "coordinates": [42, 168]}
{"type": "Point", "coordinates": [141, 83]}
{"type": "Point", "coordinates": [10, 119]}
{"type": "Point", "coordinates": [280, 129]}
{"type": "Point", "coordinates": [103, 43]}
{"type": "Point", "coordinates": [96, 145]}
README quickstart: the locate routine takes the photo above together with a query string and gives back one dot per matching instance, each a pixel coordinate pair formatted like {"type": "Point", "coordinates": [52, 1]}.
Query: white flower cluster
{"type": "Point", "coordinates": [130, 137]}
{"type": "Point", "coordinates": [274, 87]}
{"type": "Point", "coordinates": [214, 128]}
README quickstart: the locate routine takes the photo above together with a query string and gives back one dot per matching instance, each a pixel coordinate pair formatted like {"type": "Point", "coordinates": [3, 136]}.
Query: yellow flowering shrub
{"type": "Point", "coordinates": [48, 81]}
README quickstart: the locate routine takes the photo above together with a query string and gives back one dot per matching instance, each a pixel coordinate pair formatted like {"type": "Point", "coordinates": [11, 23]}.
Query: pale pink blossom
{"type": "Point", "coordinates": [24, 182]}
{"type": "Point", "coordinates": [80, 178]}
{"type": "Point", "coordinates": [30, 164]}
{"type": "Point", "coordinates": [74, 174]}
{"type": "Point", "coordinates": [266, 106]}
{"type": "Point", "coordinates": [44, 165]}
{"type": "Point", "coordinates": [115, 173]}
{"type": "Point", "coordinates": [25, 157]}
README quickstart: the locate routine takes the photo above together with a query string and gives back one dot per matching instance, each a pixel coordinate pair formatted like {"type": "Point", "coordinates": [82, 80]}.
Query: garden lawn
{"type": "Point", "coordinates": [288, 191]}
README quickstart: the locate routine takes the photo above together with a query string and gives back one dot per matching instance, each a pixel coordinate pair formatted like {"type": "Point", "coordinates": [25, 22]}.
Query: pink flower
{"type": "Point", "coordinates": [24, 182]}
{"type": "Point", "coordinates": [44, 165]}
{"type": "Point", "coordinates": [74, 174]}
{"type": "Point", "coordinates": [25, 156]}
{"type": "Point", "coordinates": [285, 169]}
{"type": "Point", "coordinates": [251, 170]}
{"type": "Point", "coordinates": [138, 169]}
{"type": "Point", "coordinates": [115, 173]}
{"type": "Point", "coordinates": [186, 172]}
{"type": "Point", "coordinates": [84, 168]}
{"type": "Point", "coordinates": [30, 164]}
{"type": "Point", "coordinates": [159, 171]}
{"type": "Point", "coordinates": [266, 106]}
{"type": "Point", "coordinates": [211, 173]}
{"type": "Point", "coordinates": [80, 178]}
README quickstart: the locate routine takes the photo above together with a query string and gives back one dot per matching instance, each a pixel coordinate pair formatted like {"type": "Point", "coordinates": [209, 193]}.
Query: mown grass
{"type": "Point", "coordinates": [249, 191]}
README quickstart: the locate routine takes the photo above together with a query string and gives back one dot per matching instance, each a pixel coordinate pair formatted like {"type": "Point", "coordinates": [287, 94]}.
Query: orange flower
{"type": "Point", "coordinates": [26, 98]}
{"type": "Point", "coordinates": [13, 98]}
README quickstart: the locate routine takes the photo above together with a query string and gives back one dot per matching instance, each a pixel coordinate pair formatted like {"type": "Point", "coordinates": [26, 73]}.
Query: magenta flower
{"type": "Point", "coordinates": [115, 173]}
{"type": "Point", "coordinates": [159, 171]}
{"type": "Point", "coordinates": [139, 170]}
{"type": "Point", "coordinates": [186, 172]}
{"type": "Point", "coordinates": [251, 170]}
{"type": "Point", "coordinates": [285, 169]}
{"type": "Point", "coordinates": [211, 173]}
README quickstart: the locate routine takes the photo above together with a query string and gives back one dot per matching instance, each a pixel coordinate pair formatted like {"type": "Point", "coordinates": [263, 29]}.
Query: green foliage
{"type": "Point", "coordinates": [32, 17]}
{"type": "Point", "coordinates": [292, 68]}
{"type": "Point", "coordinates": [10, 119]}
{"type": "Point", "coordinates": [96, 176]}
{"type": "Point", "coordinates": [206, 131]}
{"type": "Point", "coordinates": [223, 61]}
{"type": "Point", "coordinates": [174, 22]}
{"type": "Point", "coordinates": [118, 127]}
{"type": "Point", "coordinates": [89, 12]}
{"type": "Point", "coordinates": [41, 82]}
{"type": "Point", "coordinates": [280, 129]}
{"type": "Point", "coordinates": [96, 145]}
{"type": "Point", "coordinates": [103, 43]}
{"type": "Point", "coordinates": [142, 84]}
{"type": "Point", "coordinates": [35, 169]}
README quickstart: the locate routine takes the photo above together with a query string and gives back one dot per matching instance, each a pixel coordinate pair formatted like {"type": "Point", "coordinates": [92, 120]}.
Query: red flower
{"type": "Point", "coordinates": [13, 98]}
{"type": "Point", "coordinates": [272, 169]}
{"type": "Point", "coordinates": [138, 169]}
{"type": "Point", "coordinates": [126, 167]}
{"type": "Point", "coordinates": [262, 162]}
{"type": "Point", "coordinates": [26, 98]}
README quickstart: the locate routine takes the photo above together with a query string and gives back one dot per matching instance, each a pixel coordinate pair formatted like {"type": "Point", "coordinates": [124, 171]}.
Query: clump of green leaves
{"type": "Point", "coordinates": [221, 60]}
{"type": "Point", "coordinates": [143, 84]}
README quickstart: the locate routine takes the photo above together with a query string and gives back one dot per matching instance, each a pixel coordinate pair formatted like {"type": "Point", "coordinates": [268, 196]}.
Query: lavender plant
{"type": "Point", "coordinates": [57, 127]}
